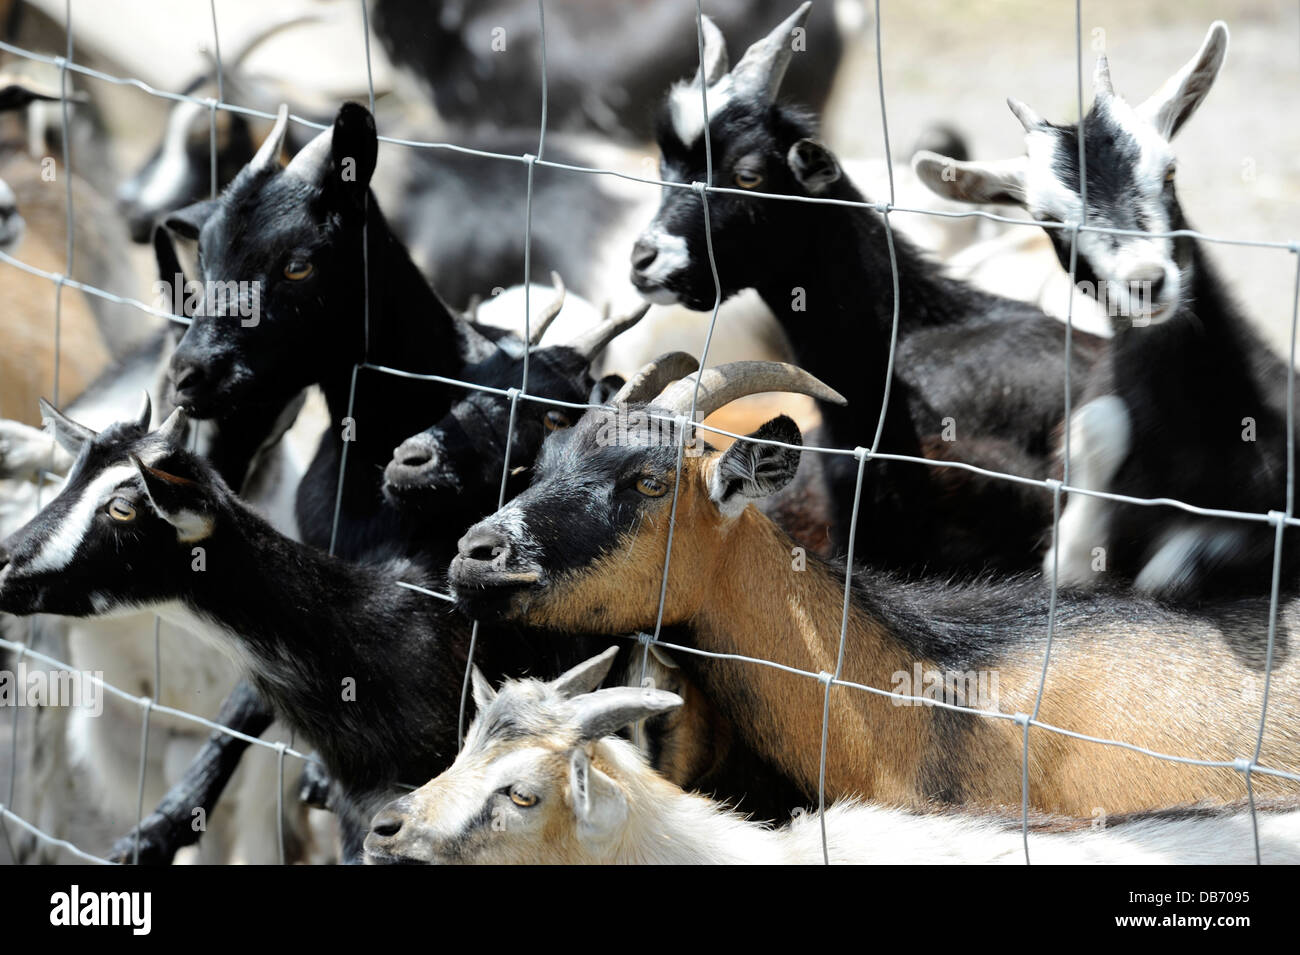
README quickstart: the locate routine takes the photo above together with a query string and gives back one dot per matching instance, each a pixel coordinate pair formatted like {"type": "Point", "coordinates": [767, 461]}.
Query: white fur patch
{"type": "Point", "coordinates": [57, 551]}
{"type": "Point", "coordinates": [687, 110]}
{"type": "Point", "coordinates": [672, 257]}
{"type": "Point", "coordinates": [1100, 436]}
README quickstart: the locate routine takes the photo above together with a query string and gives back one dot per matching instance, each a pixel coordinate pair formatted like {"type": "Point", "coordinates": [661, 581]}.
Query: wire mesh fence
{"type": "Point", "coordinates": [1247, 764]}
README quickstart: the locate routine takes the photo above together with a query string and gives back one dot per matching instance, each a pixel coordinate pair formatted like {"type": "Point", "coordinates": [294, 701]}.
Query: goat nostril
{"type": "Point", "coordinates": [413, 457]}
{"type": "Point", "coordinates": [389, 824]}
{"type": "Point", "coordinates": [485, 552]}
{"type": "Point", "coordinates": [643, 254]}
{"type": "Point", "coordinates": [483, 545]}
{"type": "Point", "coordinates": [1157, 286]}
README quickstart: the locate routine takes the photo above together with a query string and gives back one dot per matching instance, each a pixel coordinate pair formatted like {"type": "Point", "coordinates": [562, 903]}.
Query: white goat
{"type": "Point", "coordinates": [543, 780]}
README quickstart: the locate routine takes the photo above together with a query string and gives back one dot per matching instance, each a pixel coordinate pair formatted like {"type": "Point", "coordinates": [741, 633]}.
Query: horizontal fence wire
{"type": "Point", "coordinates": [1245, 765]}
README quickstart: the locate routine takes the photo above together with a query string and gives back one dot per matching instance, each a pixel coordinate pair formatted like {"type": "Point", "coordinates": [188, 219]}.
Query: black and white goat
{"type": "Point", "coordinates": [349, 659]}
{"type": "Point", "coordinates": [1191, 404]}
{"type": "Point", "coordinates": [542, 779]}
{"type": "Point", "coordinates": [985, 370]}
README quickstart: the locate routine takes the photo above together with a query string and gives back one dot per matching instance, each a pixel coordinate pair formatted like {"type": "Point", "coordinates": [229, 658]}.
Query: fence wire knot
{"type": "Point", "coordinates": [862, 454]}
{"type": "Point", "coordinates": [1021, 719]}
{"type": "Point", "coordinates": [825, 678]}
{"type": "Point", "coordinates": [1243, 765]}
{"type": "Point", "coordinates": [645, 639]}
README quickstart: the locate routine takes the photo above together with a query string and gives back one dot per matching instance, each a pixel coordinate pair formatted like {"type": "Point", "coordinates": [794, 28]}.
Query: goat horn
{"type": "Point", "coordinates": [311, 161]}
{"type": "Point", "coordinates": [605, 712]}
{"type": "Point", "coordinates": [146, 413]}
{"type": "Point", "coordinates": [544, 320]}
{"type": "Point", "coordinates": [52, 416]}
{"type": "Point", "coordinates": [268, 155]}
{"type": "Point", "coordinates": [1101, 78]}
{"type": "Point", "coordinates": [655, 376]}
{"type": "Point", "coordinates": [1028, 118]}
{"type": "Point", "coordinates": [594, 340]}
{"type": "Point", "coordinates": [725, 383]}
{"type": "Point", "coordinates": [585, 677]}
{"type": "Point", "coordinates": [173, 429]}
{"type": "Point", "coordinates": [715, 53]}
{"type": "Point", "coordinates": [761, 70]}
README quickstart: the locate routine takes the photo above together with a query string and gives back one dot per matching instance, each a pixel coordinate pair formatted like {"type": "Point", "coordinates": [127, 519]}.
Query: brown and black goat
{"type": "Point", "coordinates": [582, 551]}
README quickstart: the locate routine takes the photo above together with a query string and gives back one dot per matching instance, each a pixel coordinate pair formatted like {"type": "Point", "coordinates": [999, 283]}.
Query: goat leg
{"type": "Point", "coordinates": [170, 826]}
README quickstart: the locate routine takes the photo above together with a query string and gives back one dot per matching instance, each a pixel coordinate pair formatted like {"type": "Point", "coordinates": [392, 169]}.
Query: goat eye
{"type": "Point", "coordinates": [1169, 173]}
{"type": "Point", "coordinates": [651, 488]}
{"type": "Point", "coordinates": [556, 421]}
{"type": "Point", "coordinates": [120, 509]}
{"type": "Point", "coordinates": [297, 271]}
{"type": "Point", "coordinates": [746, 179]}
{"type": "Point", "coordinates": [522, 800]}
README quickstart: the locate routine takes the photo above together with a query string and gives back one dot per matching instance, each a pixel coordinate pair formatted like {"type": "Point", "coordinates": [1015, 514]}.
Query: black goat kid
{"type": "Point", "coordinates": [984, 370]}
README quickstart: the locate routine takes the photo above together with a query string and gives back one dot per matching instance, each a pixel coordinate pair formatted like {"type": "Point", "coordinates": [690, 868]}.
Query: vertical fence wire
{"type": "Point", "coordinates": [681, 426]}
{"type": "Point", "coordinates": [1056, 485]}
{"type": "Point", "coordinates": [528, 337]}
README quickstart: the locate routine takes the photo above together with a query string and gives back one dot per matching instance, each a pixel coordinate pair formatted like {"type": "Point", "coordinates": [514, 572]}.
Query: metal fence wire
{"type": "Point", "coordinates": [1247, 763]}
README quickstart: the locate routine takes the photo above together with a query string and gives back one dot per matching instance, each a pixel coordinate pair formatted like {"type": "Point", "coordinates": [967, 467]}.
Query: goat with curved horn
{"type": "Point", "coordinates": [605, 712]}
{"type": "Point", "coordinates": [761, 70]}
{"type": "Point", "coordinates": [724, 384]}
{"type": "Point", "coordinates": [655, 376]}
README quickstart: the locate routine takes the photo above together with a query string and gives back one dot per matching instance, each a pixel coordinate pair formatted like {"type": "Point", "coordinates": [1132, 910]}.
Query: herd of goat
{"type": "Point", "coordinates": [304, 478]}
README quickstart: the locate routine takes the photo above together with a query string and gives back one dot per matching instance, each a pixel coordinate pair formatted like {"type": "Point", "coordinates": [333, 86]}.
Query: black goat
{"type": "Point", "coordinates": [984, 370]}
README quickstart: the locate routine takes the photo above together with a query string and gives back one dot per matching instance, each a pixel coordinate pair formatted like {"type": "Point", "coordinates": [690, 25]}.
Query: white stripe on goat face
{"type": "Point", "coordinates": [61, 546]}
{"type": "Point", "coordinates": [463, 793]}
{"type": "Point", "coordinates": [687, 109]}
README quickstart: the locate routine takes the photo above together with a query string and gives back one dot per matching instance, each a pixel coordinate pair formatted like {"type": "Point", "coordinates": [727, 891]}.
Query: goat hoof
{"type": "Point", "coordinates": [156, 847]}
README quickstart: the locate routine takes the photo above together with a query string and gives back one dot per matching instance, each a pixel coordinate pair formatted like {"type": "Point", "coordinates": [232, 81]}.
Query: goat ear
{"type": "Point", "coordinates": [68, 434]}
{"type": "Point", "coordinates": [187, 222]}
{"type": "Point", "coordinates": [177, 499]}
{"type": "Point", "coordinates": [747, 471]}
{"type": "Point", "coordinates": [1000, 182]}
{"type": "Point", "coordinates": [483, 692]}
{"type": "Point", "coordinates": [604, 390]}
{"type": "Point", "coordinates": [599, 806]}
{"type": "Point", "coordinates": [813, 165]}
{"type": "Point", "coordinates": [1173, 104]}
